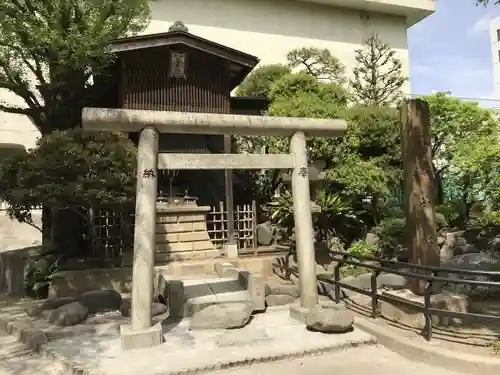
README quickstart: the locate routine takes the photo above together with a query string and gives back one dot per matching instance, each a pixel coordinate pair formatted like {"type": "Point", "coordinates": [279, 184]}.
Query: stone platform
{"type": "Point", "coordinates": [270, 336]}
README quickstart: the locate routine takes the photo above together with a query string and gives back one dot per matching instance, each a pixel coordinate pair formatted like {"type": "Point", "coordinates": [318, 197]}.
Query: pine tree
{"type": "Point", "coordinates": [378, 75]}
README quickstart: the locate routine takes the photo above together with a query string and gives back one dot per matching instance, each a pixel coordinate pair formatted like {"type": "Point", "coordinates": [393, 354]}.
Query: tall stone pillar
{"type": "Point", "coordinates": [303, 223]}
{"type": "Point", "coordinates": [141, 334]}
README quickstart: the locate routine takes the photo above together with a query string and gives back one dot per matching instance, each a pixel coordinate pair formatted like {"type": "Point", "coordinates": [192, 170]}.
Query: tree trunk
{"type": "Point", "coordinates": [419, 181]}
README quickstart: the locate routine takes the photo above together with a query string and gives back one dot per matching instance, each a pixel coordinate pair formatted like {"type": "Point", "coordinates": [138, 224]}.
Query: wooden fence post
{"type": "Point", "coordinates": [419, 185]}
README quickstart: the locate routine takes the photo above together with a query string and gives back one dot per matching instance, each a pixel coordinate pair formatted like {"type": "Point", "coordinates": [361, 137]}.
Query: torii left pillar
{"type": "Point", "coordinates": [141, 333]}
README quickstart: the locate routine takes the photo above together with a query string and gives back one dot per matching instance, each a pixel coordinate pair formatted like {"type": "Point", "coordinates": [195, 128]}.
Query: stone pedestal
{"type": "Point", "coordinates": [410, 317]}
{"type": "Point", "coordinates": [231, 250]}
{"type": "Point", "coordinates": [181, 232]}
{"type": "Point", "coordinates": [142, 338]}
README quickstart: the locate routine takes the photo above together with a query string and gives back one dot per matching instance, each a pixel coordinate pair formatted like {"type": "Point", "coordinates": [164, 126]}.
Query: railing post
{"type": "Point", "coordinates": [336, 278]}
{"type": "Point", "coordinates": [374, 296]}
{"type": "Point", "coordinates": [427, 313]}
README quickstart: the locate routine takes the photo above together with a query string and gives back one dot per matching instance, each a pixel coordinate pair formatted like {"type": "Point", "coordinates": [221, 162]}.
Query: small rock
{"type": "Point", "coordinates": [279, 299]}
{"type": "Point", "coordinates": [69, 315]}
{"type": "Point", "coordinates": [329, 320]}
{"type": "Point", "coordinates": [289, 289]}
{"type": "Point", "coordinates": [265, 234]}
{"type": "Point", "coordinates": [222, 316]}
{"type": "Point", "coordinates": [34, 311]}
{"type": "Point", "coordinates": [372, 240]}
{"type": "Point", "coordinates": [101, 300]}
{"type": "Point", "coordinates": [156, 308]}
{"type": "Point", "coordinates": [324, 288]}
{"type": "Point", "coordinates": [54, 303]}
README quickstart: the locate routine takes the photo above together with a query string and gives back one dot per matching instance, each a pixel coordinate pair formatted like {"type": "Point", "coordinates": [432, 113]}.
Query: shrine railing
{"type": "Point", "coordinates": [245, 223]}
{"type": "Point", "coordinates": [431, 276]}
{"type": "Point", "coordinates": [112, 231]}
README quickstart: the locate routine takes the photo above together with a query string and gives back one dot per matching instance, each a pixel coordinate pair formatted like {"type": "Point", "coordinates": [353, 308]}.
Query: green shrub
{"type": "Point", "coordinates": [485, 219]}
{"type": "Point", "coordinates": [281, 212]}
{"type": "Point", "coordinates": [441, 221]}
{"type": "Point", "coordinates": [361, 248]}
{"type": "Point", "coordinates": [453, 212]}
{"type": "Point", "coordinates": [391, 235]}
{"type": "Point", "coordinates": [38, 275]}
{"type": "Point", "coordinates": [336, 244]}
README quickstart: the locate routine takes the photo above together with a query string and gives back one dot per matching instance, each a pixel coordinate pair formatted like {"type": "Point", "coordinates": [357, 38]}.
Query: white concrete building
{"type": "Point", "coordinates": [269, 29]}
{"type": "Point", "coordinates": [495, 54]}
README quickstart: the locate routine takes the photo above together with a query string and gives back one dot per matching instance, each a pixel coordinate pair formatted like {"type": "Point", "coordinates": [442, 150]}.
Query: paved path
{"type": "Point", "coordinates": [360, 361]}
{"type": "Point", "coordinates": [15, 359]}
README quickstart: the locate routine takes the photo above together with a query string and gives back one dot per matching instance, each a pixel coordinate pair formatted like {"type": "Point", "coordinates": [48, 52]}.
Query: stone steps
{"type": "Point", "coordinates": [186, 296]}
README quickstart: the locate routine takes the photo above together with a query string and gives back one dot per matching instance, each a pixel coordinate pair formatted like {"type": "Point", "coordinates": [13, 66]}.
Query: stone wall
{"type": "Point", "coordinates": [16, 235]}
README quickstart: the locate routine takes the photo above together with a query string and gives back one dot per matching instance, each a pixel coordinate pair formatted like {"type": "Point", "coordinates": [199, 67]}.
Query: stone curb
{"type": "Point", "coordinates": [420, 351]}
{"type": "Point", "coordinates": [35, 340]}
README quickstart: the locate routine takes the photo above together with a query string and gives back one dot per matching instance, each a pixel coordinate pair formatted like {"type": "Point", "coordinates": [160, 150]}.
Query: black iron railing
{"type": "Point", "coordinates": [430, 275]}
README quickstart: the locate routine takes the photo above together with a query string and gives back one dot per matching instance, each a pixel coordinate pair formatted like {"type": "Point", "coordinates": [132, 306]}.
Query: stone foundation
{"type": "Point", "coordinates": [181, 234]}
{"type": "Point", "coordinates": [73, 283]}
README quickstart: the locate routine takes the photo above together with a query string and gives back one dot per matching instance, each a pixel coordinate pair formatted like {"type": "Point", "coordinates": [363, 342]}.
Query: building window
{"type": "Point", "coordinates": [499, 56]}
{"type": "Point", "coordinates": [498, 35]}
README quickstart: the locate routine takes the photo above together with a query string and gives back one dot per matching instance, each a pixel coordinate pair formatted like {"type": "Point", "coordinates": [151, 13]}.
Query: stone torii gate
{"type": "Point", "coordinates": [141, 332]}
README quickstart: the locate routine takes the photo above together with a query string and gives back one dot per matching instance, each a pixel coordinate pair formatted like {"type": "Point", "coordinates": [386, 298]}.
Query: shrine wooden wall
{"type": "Point", "coordinates": [145, 82]}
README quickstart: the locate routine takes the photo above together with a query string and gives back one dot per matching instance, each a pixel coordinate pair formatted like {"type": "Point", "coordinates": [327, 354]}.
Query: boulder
{"type": "Point", "coordinates": [329, 319]}
{"type": "Point", "coordinates": [156, 308]}
{"type": "Point", "coordinates": [279, 299]}
{"type": "Point", "coordinates": [289, 289]}
{"type": "Point", "coordinates": [222, 316]}
{"type": "Point", "coordinates": [34, 311]}
{"type": "Point", "coordinates": [99, 301]}
{"type": "Point", "coordinates": [69, 315]}
{"type": "Point", "coordinates": [54, 303]}
{"type": "Point", "coordinates": [265, 234]}
{"type": "Point", "coordinates": [482, 261]}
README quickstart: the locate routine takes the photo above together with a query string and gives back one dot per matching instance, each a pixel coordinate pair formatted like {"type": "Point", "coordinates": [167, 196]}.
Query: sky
{"type": "Point", "coordinates": [450, 50]}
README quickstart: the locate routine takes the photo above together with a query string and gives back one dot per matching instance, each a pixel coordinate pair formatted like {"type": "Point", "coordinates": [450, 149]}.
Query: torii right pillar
{"type": "Point", "coordinates": [418, 188]}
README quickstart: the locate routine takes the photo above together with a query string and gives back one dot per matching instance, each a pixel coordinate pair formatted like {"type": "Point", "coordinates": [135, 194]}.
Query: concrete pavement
{"type": "Point", "coordinates": [15, 359]}
{"type": "Point", "coordinates": [356, 361]}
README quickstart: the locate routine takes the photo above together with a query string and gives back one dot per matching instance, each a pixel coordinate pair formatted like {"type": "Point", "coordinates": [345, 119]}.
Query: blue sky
{"type": "Point", "coordinates": [450, 50]}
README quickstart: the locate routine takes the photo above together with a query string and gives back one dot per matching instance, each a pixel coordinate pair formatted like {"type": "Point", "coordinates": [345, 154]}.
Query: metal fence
{"type": "Point", "coordinates": [430, 275]}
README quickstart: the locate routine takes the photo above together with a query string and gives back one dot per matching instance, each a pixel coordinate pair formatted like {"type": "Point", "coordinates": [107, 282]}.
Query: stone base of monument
{"type": "Point", "coordinates": [231, 250]}
{"type": "Point", "coordinates": [140, 339]}
{"type": "Point", "coordinates": [398, 312]}
{"type": "Point", "coordinates": [327, 317]}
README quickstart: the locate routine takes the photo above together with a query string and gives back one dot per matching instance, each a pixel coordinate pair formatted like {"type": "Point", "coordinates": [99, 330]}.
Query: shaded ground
{"type": "Point", "coordinates": [15, 359]}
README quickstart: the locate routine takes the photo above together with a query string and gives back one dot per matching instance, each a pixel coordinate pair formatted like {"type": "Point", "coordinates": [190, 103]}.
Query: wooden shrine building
{"type": "Point", "coordinates": [182, 72]}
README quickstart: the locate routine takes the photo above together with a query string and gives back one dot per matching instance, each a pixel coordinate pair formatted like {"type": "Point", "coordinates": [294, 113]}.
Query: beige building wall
{"type": "Point", "coordinates": [269, 29]}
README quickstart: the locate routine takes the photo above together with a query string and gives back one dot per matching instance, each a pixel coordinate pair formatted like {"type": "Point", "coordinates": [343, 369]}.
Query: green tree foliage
{"type": "Point", "coordinates": [378, 75]}
{"type": "Point", "coordinates": [302, 95]}
{"type": "Point", "coordinates": [452, 122]}
{"type": "Point", "coordinates": [50, 49]}
{"type": "Point", "coordinates": [69, 170]}
{"type": "Point", "coordinates": [487, 2]}
{"type": "Point", "coordinates": [361, 166]}
{"type": "Point", "coordinates": [319, 63]}
{"type": "Point", "coordinates": [258, 82]}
